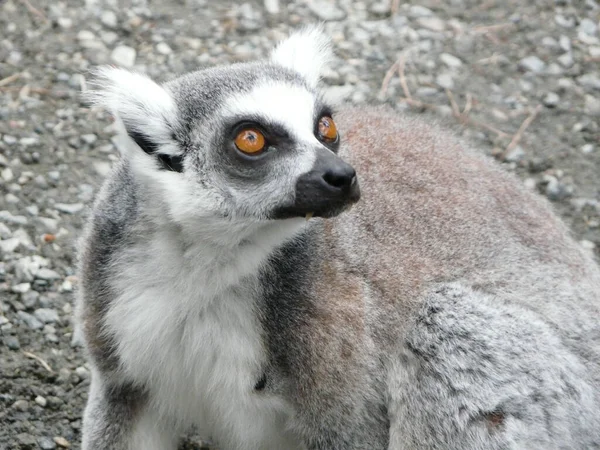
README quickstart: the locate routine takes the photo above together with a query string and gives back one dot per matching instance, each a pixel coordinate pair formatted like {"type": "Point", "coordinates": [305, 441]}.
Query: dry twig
{"type": "Point", "coordinates": [401, 71]}
{"type": "Point", "coordinates": [387, 78]}
{"type": "Point", "coordinates": [9, 79]}
{"type": "Point", "coordinates": [33, 10]}
{"type": "Point", "coordinates": [44, 364]}
{"type": "Point", "coordinates": [519, 134]}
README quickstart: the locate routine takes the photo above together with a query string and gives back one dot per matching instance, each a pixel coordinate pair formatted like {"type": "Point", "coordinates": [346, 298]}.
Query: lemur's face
{"type": "Point", "coordinates": [253, 141]}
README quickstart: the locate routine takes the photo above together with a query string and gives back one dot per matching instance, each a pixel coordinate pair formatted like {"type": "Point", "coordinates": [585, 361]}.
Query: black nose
{"type": "Point", "coordinates": [340, 177]}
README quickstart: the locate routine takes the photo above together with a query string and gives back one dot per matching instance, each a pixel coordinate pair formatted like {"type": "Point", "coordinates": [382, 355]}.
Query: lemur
{"type": "Point", "coordinates": [252, 272]}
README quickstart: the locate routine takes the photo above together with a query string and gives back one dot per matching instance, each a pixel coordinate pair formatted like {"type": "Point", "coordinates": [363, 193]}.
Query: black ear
{"type": "Point", "coordinates": [146, 109]}
{"type": "Point", "coordinates": [173, 163]}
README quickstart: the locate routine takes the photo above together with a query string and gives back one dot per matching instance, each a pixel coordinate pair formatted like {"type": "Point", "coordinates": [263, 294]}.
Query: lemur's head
{"type": "Point", "coordinates": [252, 141]}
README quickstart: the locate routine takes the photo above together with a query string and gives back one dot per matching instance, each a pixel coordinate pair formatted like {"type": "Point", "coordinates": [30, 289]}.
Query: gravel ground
{"type": "Point", "coordinates": [487, 67]}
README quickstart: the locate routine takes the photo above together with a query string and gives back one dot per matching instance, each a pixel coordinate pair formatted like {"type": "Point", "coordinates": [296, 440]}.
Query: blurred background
{"type": "Point", "coordinates": [519, 79]}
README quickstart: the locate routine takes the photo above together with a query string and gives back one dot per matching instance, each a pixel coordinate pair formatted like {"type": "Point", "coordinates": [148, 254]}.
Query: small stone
{"type": "Point", "coordinates": [532, 64]}
{"type": "Point", "coordinates": [64, 22]}
{"type": "Point", "coordinates": [10, 140]}
{"type": "Point", "coordinates": [21, 288]}
{"type": "Point", "coordinates": [555, 190]}
{"type": "Point", "coordinates": [272, 6]}
{"type": "Point", "coordinates": [7, 217]}
{"type": "Point", "coordinates": [47, 274]}
{"type": "Point", "coordinates": [46, 443]}
{"type": "Point", "coordinates": [589, 81]}
{"type": "Point", "coordinates": [7, 174]}
{"type": "Point", "coordinates": [9, 245]}
{"type": "Point", "coordinates": [566, 60]}
{"type": "Point", "coordinates": [62, 442]}
{"type": "Point", "coordinates": [46, 315]}
{"type": "Point", "coordinates": [419, 11]}
{"type": "Point", "coordinates": [163, 48]}
{"type": "Point", "coordinates": [109, 19]}
{"type": "Point", "coordinates": [592, 106]}
{"type": "Point", "coordinates": [124, 55]}
{"type": "Point", "coordinates": [588, 26]}
{"type": "Point", "coordinates": [89, 138]}
{"type": "Point", "coordinates": [564, 21]}
{"type": "Point", "coordinates": [25, 441]}
{"type": "Point", "coordinates": [86, 35]}
{"type": "Point", "coordinates": [31, 321]}
{"type": "Point", "coordinates": [326, 10]}
{"type": "Point", "coordinates": [41, 401]}
{"type": "Point", "coordinates": [30, 299]}
{"type": "Point", "coordinates": [551, 100]}
{"type": "Point", "coordinates": [445, 81]}
{"type": "Point", "coordinates": [431, 23]}
{"type": "Point", "coordinates": [82, 372]}
{"type": "Point", "coordinates": [12, 342]}
{"type": "Point", "coordinates": [5, 232]}
{"type": "Point", "coordinates": [515, 155]}
{"type": "Point", "coordinates": [73, 208]}
{"type": "Point", "coordinates": [450, 60]}
{"type": "Point", "coordinates": [587, 149]}
{"type": "Point", "coordinates": [21, 405]}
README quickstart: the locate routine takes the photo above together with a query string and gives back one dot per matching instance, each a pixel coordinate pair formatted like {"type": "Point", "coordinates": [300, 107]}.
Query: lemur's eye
{"type": "Point", "coordinates": [250, 141]}
{"type": "Point", "coordinates": [327, 129]}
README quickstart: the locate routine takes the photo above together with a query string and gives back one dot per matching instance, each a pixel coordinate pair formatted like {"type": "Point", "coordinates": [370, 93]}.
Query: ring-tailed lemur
{"type": "Point", "coordinates": [448, 309]}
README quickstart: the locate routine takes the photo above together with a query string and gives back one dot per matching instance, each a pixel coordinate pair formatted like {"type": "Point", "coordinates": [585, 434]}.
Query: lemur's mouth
{"type": "Point", "coordinates": [325, 191]}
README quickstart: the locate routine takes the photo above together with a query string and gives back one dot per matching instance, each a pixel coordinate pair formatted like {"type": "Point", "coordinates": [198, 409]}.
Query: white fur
{"type": "Point", "coordinates": [186, 327]}
{"type": "Point", "coordinates": [306, 52]}
{"type": "Point", "coordinates": [141, 104]}
{"type": "Point", "coordinates": [288, 105]}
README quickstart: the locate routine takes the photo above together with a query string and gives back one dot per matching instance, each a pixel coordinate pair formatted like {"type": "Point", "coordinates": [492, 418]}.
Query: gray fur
{"type": "Point", "coordinates": [448, 309]}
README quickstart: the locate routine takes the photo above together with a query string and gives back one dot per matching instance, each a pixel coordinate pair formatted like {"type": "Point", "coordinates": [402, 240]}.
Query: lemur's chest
{"type": "Point", "coordinates": [201, 356]}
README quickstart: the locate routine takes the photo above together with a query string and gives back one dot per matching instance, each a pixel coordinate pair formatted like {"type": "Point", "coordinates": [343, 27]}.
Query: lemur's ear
{"type": "Point", "coordinates": [146, 110]}
{"type": "Point", "coordinates": [307, 51]}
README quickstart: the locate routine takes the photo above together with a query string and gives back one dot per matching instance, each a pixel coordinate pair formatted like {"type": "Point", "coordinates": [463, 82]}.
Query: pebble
{"type": "Point", "coordinates": [450, 60]}
{"type": "Point", "coordinates": [109, 19]}
{"type": "Point", "coordinates": [73, 208]}
{"type": "Point", "coordinates": [21, 405]}
{"type": "Point", "coordinates": [9, 245]}
{"type": "Point", "coordinates": [46, 443]}
{"type": "Point", "coordinates": [62, 442]}
{"type": "Point", "coordinates": [31, 321]}
{"type": "Point", "coordinates": [25, 441]}
{"type": "Point", "coordinates": [272, 6]}
{"type": "Point", "coordinates": [7, 174]}
{"type": "Point", "coordinates": [551, 100]}
{"type": "Point", "coordinates": [589, 81]}
{"type": "Point", "coordinates": [587, 149]}
{"type": "Point", "coordinates": [5, 232]}
{"type": "Point", "coordinates": [163, 48]}
{"type": "Point", "coordinates": [46, 315]}
{"type": "Point", "coordinates": [123, 55]}
{"type": "Point", "coordinates": [12, 342]}
{"type": "Point", "coordinates": [21, 288]}
{"type": "Point", "coordinates": [7, 217]}
{"type": "Point", "coordinates": [326, 10]}
{"type": "Point", "coordinates": [592, 106]}
{"type": "Point", "coordinates": [445, 81]}
{"type": "Point", "coordinates": [532, 64]}
{"type": "Point", "coordinates": [431, 23]}
{"type": "Point", "coordinates": [89, 138]}
{"type": "Point", "coordinates": [41, 401]}
{"type": "Point", "coordinates": [47, 274]}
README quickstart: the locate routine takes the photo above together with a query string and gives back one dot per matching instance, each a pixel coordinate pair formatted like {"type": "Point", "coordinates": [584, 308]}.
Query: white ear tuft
{"type": "Point", "coordinates": [307, 51]}
{"type": "Point", "coordinates": [147, 111]}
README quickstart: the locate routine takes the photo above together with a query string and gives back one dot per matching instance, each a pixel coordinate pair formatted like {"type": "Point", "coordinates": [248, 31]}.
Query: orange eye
{"type": "Point", "coordinates": [250, 141]}
{"type": "Point", "coordinates": [327, 129]}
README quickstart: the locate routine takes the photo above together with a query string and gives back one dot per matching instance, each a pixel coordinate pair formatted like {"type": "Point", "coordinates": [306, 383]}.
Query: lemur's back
{"type": "Point", "coordinates": [494, 308]}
